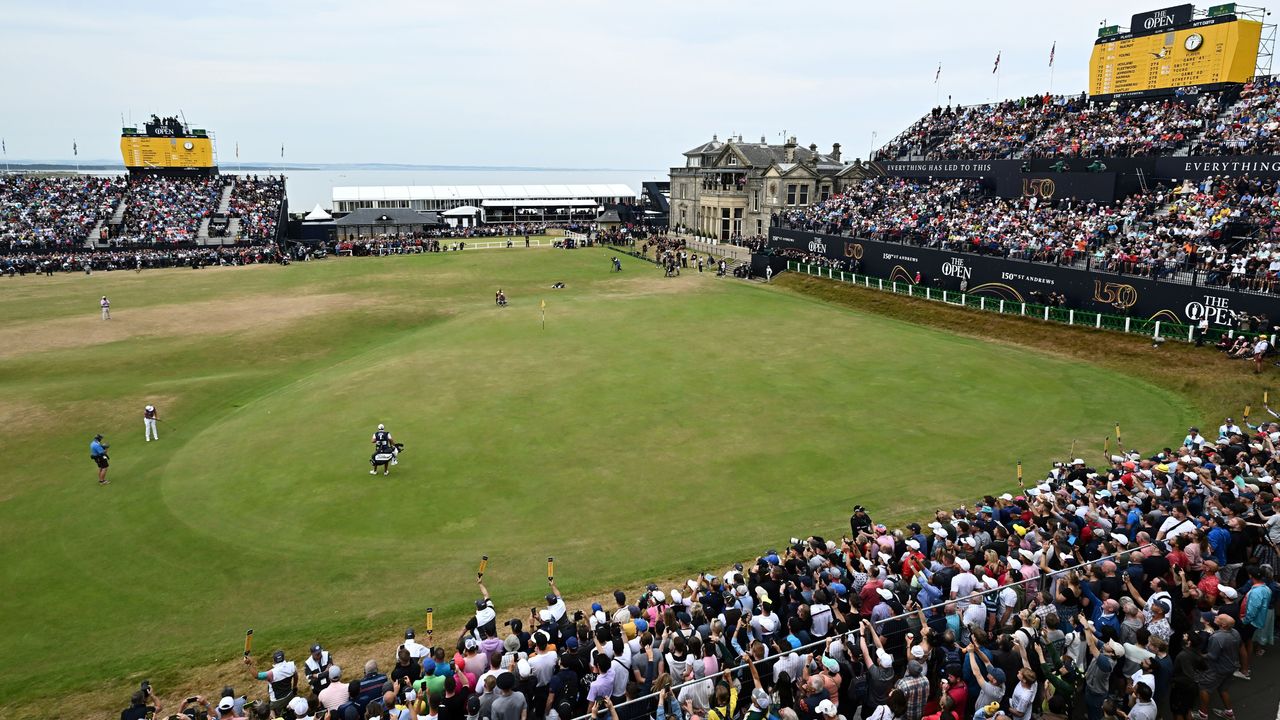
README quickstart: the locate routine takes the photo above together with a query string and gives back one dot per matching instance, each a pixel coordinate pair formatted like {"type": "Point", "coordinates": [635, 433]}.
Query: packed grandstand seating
{"type": "Point", "coordinates": [1250, 127]}
{"type": "Point", "coordinates": [42, 214]}
{"type": "Point", "coordinates": [162, 209]}
{"type": "Point", "coordinates": [1071, 127]}
{"type": "Point", "coordinates": [1129, 587]}
{"type": "Point", "coordinates": [256, 201]}
{"type": "Point", "coordinates": [1160, 233]}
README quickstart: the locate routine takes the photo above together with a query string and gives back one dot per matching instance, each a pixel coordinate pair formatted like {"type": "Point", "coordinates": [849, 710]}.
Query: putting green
{"type": "Point", "coordinates": [656, 426]}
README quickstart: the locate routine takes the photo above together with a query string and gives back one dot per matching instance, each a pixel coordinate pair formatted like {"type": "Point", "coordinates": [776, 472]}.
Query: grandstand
{"type": "Point", "coordinates": [173, 197]}
{"type": "Point", "coordinates": [1154, 200]}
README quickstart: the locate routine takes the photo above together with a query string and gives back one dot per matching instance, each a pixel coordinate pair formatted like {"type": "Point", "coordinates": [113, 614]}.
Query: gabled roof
{"type": "Point", "coordinates": [389, 217]}
{"type": "Point", "coordinates": [609, 216]}
{"type": "Point", "coordinates": [762, 155]}
{"type": "Point", "coordinates": [706, 147]}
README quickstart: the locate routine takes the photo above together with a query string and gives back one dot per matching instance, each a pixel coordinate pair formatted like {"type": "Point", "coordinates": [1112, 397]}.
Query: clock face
{"type": "Point", "coordinates": [1193, 42]}
{"type": "Point", "coordinates": [188, 145]}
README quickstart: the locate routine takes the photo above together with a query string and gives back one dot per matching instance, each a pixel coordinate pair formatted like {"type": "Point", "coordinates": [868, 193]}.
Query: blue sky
{"type": "Point", "coordinates": [564, 84]}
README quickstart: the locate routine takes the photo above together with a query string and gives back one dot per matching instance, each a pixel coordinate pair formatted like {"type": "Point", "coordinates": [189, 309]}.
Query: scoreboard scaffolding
{"type": "Point", "coordinates": [1170, 51]}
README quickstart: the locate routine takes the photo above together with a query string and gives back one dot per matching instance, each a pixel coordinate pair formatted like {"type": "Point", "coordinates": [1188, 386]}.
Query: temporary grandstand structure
{"type": "Point", "coordinates": [498, 203]}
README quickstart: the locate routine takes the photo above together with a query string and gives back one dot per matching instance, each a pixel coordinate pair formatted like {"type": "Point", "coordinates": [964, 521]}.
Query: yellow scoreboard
{"type": "Point", "coordinates": [144, 151]}
{"type": "Point", "coordinates": [1205, 52]}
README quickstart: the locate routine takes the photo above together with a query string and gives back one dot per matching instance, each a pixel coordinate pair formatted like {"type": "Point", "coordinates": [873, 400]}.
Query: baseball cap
{"type": "Point", "coordinates": [408, 634]}
{"type": "Point", "coordinates": [760, 699]}
{"type": "Point", "coordinates": [300, 707]}
{"type": "Point", "coordinates": [551, 598]}
{"type": "Point", "coordinates": [226, 703]}
{"type": "Point", "coordinates": [470, 643]}
{"type": "Point", "coordinates": [571, 643]}
{"type": "Point", "coordinates": [480, 604]}
{"type": "Point", "coordinates": [826, 707]}
{"type": "Point", "coordinates": [316, 648]}
{"type": "Point", "coordinates": [277, 656]}
{"type": "Point", "coordinates": [996, 673]}
{"type": "Point", "coordinates": [506, 681]}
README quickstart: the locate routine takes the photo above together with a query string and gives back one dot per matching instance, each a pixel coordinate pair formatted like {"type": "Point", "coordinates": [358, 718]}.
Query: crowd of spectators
{"type": "Point", "coordinates": [1125, 128]}
{"type": "Point", "coordinates": [23, 263]}
{"type": "Point", "coordinates": [53, 213]}
{"type": "Point", "coordinates": [1139, 588]}
{"type": "Point", "coordinates": [1071, 126]}
{"type": "Point", "coordinates": [1158, 233]}
{"type": "Point", "coordinates": [996, 130]}
{"type": "Point", "coordinates": [1250, 126]}
{"type": "Point", "coordinates": [257, 201]}
{"type": "Point", "coordinates": [161, 209]}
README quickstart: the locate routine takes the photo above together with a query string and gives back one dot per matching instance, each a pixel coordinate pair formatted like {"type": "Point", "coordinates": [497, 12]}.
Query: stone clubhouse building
{"type": "Point", "coordinates": [729, 189]}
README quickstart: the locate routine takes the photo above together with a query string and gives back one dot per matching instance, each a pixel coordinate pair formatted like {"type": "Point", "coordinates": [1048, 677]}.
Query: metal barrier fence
{"type": "Point", "coordinates": [1156, 329]}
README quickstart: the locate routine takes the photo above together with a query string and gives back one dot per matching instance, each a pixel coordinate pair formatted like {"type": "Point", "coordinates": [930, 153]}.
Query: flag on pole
{"type": "Point", "coordinates": [237, 150]}
{"type": "Point", "coordinates": [282, 151]}
{"type": "Point", "coordinates": [937, 74]}
{"type": "Point", "coordinates": [75, 150]}
{"type": "Point", "coordinates": [997, 66]}
{"type": "Point", "coordinates": [3, 147]}
{"type": "Point", "coordinates": [1052, 51]}
{"type": "Point", "coordinates": [544, 314]}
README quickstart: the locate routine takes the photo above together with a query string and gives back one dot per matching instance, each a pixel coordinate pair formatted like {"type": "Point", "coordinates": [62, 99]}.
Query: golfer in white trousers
{"type": "Point", "coordinates": [149, 417]}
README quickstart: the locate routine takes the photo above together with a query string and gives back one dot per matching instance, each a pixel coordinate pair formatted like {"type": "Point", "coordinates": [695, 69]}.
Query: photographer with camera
{"type": "Point", "coordinates": [143, 704]}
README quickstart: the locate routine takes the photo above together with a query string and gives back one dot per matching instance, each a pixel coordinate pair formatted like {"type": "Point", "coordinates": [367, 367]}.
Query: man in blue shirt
{"type": "Point", "coordinates": [98, 454]}
{"type": "Point", "coordinates": [1219, 539]}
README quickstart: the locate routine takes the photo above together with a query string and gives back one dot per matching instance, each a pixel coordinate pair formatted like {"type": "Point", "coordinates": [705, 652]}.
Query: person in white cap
{"type": "Point", "coordinates": [149, 417]}
{"type": "Point", "coordinates": [300, 708]}
{"type": "Point", "coordinates": [227, 709]}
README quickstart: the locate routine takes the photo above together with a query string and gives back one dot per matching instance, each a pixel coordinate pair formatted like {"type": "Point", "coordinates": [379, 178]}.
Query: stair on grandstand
{"type": "Point", "coordinates": [93, 239]}
{"type": "Point", "coordinates": [233, 230]}
{"type": "Point", "coordinates": [224, 203]}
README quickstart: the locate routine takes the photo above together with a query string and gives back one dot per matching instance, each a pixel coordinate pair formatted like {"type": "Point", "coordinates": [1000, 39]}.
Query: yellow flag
{"type": "Point", "coordinates": [1247, 408]}
{"type": "Point", "coordinates": [544, 304]}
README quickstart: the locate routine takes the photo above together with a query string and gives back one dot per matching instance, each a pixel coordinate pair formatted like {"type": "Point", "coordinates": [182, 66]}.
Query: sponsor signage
{"type": "Point", "coordinates": [1016, 281]}
{"type": "Point", "coordinates": [1162, 19]}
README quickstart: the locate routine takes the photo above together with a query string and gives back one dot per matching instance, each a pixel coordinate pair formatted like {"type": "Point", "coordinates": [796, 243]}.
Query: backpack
{"type": "Point", "coordinates": [856, 691]}
{"type": "Point", "coordinates": [953, 660]}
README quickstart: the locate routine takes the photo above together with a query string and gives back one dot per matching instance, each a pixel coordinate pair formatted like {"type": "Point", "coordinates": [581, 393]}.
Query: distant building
{"type": "Point", "coordinates": [476, 204]}
{"type": "Point", "coordinates": [728, 189]}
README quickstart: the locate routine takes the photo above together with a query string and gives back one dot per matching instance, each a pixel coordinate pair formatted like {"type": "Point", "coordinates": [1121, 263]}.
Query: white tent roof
{"type": "Point", "coordinates": [318, 213]}
{"type": "Point", "coordinates": [480, 193]}
{"type": "Point", "coordinates": [461, 211]}
{"type": "Point", "coordinates": [575, 202]}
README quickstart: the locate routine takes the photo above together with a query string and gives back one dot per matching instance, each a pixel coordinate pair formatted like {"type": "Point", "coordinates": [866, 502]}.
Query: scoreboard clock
{"type": "Point", "coordinates": [1161, 61]}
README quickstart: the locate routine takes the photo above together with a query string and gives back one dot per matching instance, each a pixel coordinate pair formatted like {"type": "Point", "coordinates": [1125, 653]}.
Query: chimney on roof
{"type": "Point", "coordinates": [714, 138]}
{"type": "Point", "coordinates": [835, 151]}
{"type": "Point", "coordinates": [789, 150]}
{"type": "Point", "coordinates": [763, 140]}
{"type": "Point", "coordinates": [813, 148]}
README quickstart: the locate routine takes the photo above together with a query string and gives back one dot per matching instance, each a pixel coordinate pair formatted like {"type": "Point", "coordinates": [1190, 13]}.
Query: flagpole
{"type": "Point", "coordinates": [1053, 51]}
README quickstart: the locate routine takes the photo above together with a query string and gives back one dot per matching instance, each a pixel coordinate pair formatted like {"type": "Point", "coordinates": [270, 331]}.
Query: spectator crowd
{"type": "Point", "coordinates": [53, 213]}
{"type": "Point", "coordinates": [1158, 233]}
{"type": "Point", "coordinates": [1143, 587]}
{"type": "Point", "coordinates": [1057, 126]}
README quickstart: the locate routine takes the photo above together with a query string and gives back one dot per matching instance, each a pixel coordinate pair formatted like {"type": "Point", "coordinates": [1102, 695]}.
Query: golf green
{"type": "Point", "coordinates": [655, 426]}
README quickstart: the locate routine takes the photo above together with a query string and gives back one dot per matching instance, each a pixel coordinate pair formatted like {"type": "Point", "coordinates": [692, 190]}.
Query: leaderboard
{"type": "Point", "coordinates": [1163, 60]}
